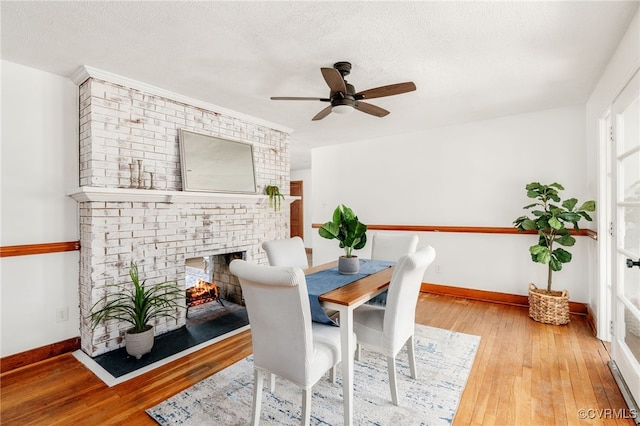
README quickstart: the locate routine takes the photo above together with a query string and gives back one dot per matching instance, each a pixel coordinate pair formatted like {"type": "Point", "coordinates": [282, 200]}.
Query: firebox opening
{"type": "Point", "coordinates": [210, 288]}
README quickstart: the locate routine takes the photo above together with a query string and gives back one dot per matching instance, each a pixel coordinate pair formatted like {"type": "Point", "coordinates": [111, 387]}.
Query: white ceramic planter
{"type": "Point", "coordinates": [138, 344]}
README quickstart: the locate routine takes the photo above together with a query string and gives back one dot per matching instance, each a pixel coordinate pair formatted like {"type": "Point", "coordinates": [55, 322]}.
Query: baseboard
{"type": "Point", "coordinates": [591, 321]}
{"type": "Point", "coordinates": [21, 359]}
{"type": "Point", "coordinates": [493, 296]}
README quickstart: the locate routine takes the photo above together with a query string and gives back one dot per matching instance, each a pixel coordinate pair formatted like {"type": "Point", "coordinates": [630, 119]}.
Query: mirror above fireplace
{"type": "Point", "coordinates": [213, 164]}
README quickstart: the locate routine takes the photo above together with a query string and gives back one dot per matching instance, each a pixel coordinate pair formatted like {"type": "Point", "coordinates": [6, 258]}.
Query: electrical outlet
{"type": "Point", "coordinates": [62, 314]}
{"type": "Point", "coordinates": [438, 269]}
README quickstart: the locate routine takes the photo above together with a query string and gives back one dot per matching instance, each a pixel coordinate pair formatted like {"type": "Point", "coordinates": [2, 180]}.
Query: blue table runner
{"type": "Point", "coordinates": [324, 281]}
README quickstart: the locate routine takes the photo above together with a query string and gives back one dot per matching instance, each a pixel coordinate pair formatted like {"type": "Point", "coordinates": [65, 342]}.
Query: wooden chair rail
{"type": "Point", "coordinates": [464, 229]}
{"type": "Point", "coordinates": [26, 249]}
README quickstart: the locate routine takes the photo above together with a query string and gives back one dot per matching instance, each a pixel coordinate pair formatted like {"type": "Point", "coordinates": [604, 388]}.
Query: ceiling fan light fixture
{"type": "Point", "coordinates": [342, 109]}
{"type": "Point", "coordinates": [343, 96]}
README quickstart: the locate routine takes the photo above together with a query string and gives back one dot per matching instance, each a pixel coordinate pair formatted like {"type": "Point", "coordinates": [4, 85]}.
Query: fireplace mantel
{"type": "Point", "coordinates": [89, 193]}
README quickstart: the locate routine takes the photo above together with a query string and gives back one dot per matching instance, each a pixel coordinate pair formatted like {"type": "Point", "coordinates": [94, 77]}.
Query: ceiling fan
{"type": "Point", "coordinates": [343, 96]}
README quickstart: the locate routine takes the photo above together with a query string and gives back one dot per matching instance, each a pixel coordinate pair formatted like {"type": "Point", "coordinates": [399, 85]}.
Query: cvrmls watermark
{"type": "Point", "coordinates": [607, 413]}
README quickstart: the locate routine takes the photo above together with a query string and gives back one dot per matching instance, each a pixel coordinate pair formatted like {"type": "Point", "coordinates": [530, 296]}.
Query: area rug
{"type": "Point", "coordinates": [444, 359]}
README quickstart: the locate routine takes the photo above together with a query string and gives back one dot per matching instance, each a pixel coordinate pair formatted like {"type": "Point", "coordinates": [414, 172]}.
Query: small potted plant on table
{"type": "Point", "coordinates": [352, 234]}
{"type": "Point", "coordinates": [138, 306]}
{"type": "Point", "coordinates": [549, 221]}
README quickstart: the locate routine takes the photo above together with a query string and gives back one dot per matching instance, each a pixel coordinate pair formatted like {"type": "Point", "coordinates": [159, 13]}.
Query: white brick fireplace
{"type": "Point", "coordinates": [123, 121]}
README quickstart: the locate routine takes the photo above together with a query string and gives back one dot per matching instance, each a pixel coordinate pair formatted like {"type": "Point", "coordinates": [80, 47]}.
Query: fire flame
{"type": "Point", "coordinates": [202, 290]}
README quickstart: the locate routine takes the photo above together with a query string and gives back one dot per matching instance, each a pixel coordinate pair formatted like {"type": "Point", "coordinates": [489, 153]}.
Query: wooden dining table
{"type": "Point", "coordinates": [345, 300]}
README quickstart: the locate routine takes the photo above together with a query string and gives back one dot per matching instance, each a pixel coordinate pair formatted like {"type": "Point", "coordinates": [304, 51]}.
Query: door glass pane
{"type": "Point", "coordinates": [630, 281]}
{"type": "Point", "coordinates": [630, 175]}
{"type": "Point", "coordinates": [629, 220]}
{"type": "Point", "coordinates": [632, 229]}
{"type": "Point", "coordinates": [632, 333]}
{"type": "Point", "coordinates": [628, 123]}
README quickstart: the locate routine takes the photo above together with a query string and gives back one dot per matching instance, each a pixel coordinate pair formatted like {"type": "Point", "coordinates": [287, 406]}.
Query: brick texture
{"type": "Point", "coordinates": [118, 127]}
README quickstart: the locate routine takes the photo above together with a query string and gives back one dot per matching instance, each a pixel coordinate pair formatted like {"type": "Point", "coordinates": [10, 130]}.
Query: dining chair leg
{"type": "Point", "coordinates": [272, 382]}
{"type": "Point", "coordinates": [412, 357]}
{"type": "Point", "coordinates": [258, 379]}
{"type": "Point", "coordinates": [332, 373]}
{"type": "Point", "coordinates": [391, 366]}
{"type": "Point", "coordinates": [306, 407]}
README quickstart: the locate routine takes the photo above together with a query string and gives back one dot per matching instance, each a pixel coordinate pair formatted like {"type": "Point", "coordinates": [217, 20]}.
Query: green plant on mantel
{"type": "Point", "coordinates": [346, 228]}
{"type": "Point", "coordinates": [550, 221]}
{"type": "Point", "coordinates": [137, 305]}
{"type": "Point", "coordinates": [275, 197]}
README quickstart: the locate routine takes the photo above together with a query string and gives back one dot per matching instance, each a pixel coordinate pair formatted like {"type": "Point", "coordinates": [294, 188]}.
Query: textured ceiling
{"type": "Point", "coordinates": [469, 60]}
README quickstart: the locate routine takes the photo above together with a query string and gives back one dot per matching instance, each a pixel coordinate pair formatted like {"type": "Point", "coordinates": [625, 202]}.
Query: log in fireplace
{"type": "Point", "coordinates": [202, 292]}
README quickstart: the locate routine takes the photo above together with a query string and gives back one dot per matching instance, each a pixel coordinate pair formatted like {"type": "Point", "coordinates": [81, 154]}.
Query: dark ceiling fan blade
{"type": "Point", "coordinates": [390, 90]}
{"type": "Point", "coordinates": [322, 114]}
{"type": "Point", "coordinates": [298, 98]}
{"type": "Point", "coordinates": [334, 80]}
{"type": "Point", "coordinates": [370, 109]}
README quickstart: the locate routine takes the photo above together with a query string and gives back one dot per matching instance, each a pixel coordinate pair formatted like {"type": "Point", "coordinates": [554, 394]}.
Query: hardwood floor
{"type": "Point", "coordinates": [525, 373]}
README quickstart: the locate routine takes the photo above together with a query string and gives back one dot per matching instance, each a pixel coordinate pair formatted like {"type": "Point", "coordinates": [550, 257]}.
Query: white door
{"type": "Point", "coordinates": [625, 272]}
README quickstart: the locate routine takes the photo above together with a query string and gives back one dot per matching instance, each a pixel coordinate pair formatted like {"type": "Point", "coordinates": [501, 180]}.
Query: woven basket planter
{"type": "Point", "coordinates": [548, 307]}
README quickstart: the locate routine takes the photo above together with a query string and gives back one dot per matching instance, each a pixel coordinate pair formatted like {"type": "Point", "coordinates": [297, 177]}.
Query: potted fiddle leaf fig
{"type": "Point", "coordinates": [552, 219]}
{"type": "Point", "coordinates": [352, 234]}
{"type": "Point", "coordinates": [138, 305]}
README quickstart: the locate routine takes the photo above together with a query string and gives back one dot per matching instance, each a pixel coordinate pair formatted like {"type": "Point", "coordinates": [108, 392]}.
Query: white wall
{"type": "Point", "coordinates": [623, 64]}
{"type": "Point", "coordinates": [471, 174]}
{"type": "Point", "coordinates": [39, 157]}
{"type": "Point", "coordinates": [307, 184]}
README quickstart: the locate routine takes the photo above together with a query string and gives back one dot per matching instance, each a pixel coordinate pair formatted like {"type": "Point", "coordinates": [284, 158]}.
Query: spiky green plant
{"type": "Point", "coordinates": [550, 221]}
{"type": "Point", "coordinates": [137, 305]}
{"type": "Point", "coordinates": [346, 228]}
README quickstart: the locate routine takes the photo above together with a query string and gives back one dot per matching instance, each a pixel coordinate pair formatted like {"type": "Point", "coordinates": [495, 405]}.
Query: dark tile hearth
{"type": "Point", "coordinates": [206, 322]}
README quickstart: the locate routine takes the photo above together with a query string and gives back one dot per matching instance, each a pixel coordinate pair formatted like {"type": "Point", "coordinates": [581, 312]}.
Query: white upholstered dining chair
{"type": "Point", "coordinates": [286, 252]}
{"type": "Point", "coordinates": [285, 341]}
{"type": "Point", "coordinates": [387, 329]}
{"type": "Point", "coordinates": [390, 247]}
